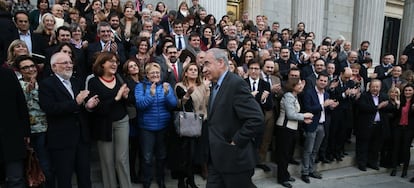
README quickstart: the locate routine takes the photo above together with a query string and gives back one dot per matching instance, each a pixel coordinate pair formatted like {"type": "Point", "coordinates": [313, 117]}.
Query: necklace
{"type": "Point", "coordinates": [108, 81]}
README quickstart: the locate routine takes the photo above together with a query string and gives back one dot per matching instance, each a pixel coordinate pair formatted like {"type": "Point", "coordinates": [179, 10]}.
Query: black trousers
{"type": "Point", "coordinates": [285, 139]}
{"type": "Point", "coordinates": [402, 139]}
{"type": "Point", "coordinates": [368, 146]}
{"type": "Point", "coordinates": [69, 160]}
{"type": "Point", "coordinates": [14, 174]}
{"type": "Point", "coordinates": [216, 179]}
{"type": "Point", "coordinates": [337, 132]}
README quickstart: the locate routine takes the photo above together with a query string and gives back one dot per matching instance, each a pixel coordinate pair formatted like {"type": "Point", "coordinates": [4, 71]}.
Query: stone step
{"type": "Point", "coordinates": [342, 169]}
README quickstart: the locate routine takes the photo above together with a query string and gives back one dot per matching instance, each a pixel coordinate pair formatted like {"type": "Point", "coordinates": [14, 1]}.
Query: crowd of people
{"type": "Point", "coordinates": [81, 72]}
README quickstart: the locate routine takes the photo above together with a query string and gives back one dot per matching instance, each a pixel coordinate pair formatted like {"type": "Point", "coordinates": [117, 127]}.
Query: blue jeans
{"type": "Point", "coordinates": [38, 142]}
{"type": "Point", "coordinates": [310, 149]}
{"type": "Point", "coordinates": [153, 142]}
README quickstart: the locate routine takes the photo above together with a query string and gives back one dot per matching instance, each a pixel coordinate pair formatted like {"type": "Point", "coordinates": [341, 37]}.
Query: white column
{"type": "Point", "coordinates": [216, 7]}
{"type": "Point", "coordinates": [369, 25]}
{"type": "Point", "coordinates": [407, 25]}
{"type": "Point", "coordinates": [312, 14]}
{"type": "Point", "coordinates": [254, 7]}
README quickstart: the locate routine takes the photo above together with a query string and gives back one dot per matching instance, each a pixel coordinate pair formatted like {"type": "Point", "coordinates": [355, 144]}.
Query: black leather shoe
{"type": "Point", "coordinates": [286, 184]}
{"type": "Point", "coordinates": [291, 179]}
{"type": "Point", "coordinates": [325, 161]}
{"type": "Point", "coordinates": [362, 168]}
{"type": "Point", "coordinates": [373, 167]}
{"type": "Point", "coordinates": [315, 175]}
{"type": "Point", "coordinates": [345, 153]}
{"type": "Point", "coordinates": [305, 178]}
{"type": "Point", "coordinates": [393, 172]}
{"type": "Point", "coordinates": [294, 162]}
{"type": "Point", "coordinates": [338, 158]}
{"type": "Point", "coordinates": [264, 167]}
{"type": "Point", "coordinates": [412, 180]}
{"type": "Point", "coordinates": [404, 174]}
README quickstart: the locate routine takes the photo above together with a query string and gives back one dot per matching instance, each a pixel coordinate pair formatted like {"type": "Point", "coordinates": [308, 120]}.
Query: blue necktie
{"type": "Point", "coordinates": [213, 95]}
{"type": "Point", "coordinates": [180, 45]}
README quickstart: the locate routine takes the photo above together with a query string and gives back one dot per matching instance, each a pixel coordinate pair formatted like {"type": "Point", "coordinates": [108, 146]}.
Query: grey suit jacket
{"type": "Point", "coordinates": [235, 117]}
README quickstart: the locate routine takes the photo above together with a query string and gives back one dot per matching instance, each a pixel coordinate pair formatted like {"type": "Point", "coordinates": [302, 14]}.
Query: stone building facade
{"type": "Point", "coordinates": [387, 24]}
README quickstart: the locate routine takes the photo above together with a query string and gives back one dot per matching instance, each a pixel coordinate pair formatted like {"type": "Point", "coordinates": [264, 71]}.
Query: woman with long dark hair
{"type": "Point", "coordinates": [403, 131]}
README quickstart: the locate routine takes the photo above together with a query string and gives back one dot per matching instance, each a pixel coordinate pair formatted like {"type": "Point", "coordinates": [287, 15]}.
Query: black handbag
{"type": "Point", "coordinates": [188, 123]}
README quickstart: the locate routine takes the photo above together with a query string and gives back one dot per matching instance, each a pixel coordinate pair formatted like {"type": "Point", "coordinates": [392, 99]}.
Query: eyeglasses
{"type": "Point", "coordinates": [65, 63]}
{"type": "Point", "coordinates": [28, 67]}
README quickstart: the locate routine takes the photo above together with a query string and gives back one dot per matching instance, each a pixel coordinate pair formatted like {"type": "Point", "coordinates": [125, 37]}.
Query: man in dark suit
{"type": "Point", "coordinates": [363, 51]}
{"type": "Point", "coordinates": [104, 44]}
{"type": "Point", "coordinates": [233, 123]}
{"type": "Point", "coordinates": [14, 128]}
{"type": "Point", "coordinates": [171, 67]}
{"type": "Point", "coordinates": [394, 80]}
{"type": "Point", "coordinates": [61, 98]}
{"type": "Point", "coordinates": [372, 124]}
{"type": "Point", "coordinates": [181, 40]}
{"type": "Point", "coordinates": [319, 67]}
{"type": "Point", "coordinates": [316, 102]}
{"type": "Point", "coordinates": [384, 69]}
{"type": "Point", "coordinates": [260, 90]}
{"type": "Point", "coordinates": [343, 90]}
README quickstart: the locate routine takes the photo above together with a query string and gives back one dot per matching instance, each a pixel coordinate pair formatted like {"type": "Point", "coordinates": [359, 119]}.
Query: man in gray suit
{"type": "Point", "coordinates": [234, 121]}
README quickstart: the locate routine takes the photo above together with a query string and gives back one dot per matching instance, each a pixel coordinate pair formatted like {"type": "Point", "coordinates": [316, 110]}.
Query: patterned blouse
{"type": "Point", "coordinates": [38, 122]}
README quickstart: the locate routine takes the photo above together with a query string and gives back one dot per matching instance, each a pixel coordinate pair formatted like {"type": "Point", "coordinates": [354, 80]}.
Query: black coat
{"type": "Point", "coordinates": [367, 110]}
{"type": "Point", "coordinates": [14, 116]}
{"type": "Point", "coordinates": [67, 121]}
{"type": "Point", "coordinates": [8, 32]}
{"type": "Point", "coordinates": [233, 116]}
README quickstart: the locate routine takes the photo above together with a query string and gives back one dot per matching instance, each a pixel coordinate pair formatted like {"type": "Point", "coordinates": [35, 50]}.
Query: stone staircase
{"type": "Point", "coordinates": [348, 166]}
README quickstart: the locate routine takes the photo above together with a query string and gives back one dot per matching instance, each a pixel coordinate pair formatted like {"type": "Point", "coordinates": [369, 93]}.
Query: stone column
{"type": "Point", "coordinates": [369, 25]}
{"type": "Point", "coordinates": [254, 7]}
{"type": "Point", "coordinates": [407, 25]}
{"type": "Point", "coordinates": [216, 7]}
{"type": "Point", "coordinates": [312, 14]}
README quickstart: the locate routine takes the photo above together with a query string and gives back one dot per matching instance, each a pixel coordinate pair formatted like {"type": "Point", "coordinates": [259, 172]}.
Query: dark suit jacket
{"type": "Point", "coordinates": [311, 104]}
{"type": "Point", "coordinates": [67, 122]}
{"type": "Point", "coordinates": [234, 117]}
{"type": "Point", "coordinates": [8, 32]}
{"type": "Point", "coordinates": [14, 117]}
{"type": "Point", "coordinates": [387, 84]}
{"type": "Point", "coordinates": [262, 86]}
{"type": "Point", "coordinates": [168, 75]}
{"type": "Point", "coordinates": [381, 70]}
{"type": "Point", "coordinates": [97, 47]}
{"type": "Point", "coordinates": [367, 110]}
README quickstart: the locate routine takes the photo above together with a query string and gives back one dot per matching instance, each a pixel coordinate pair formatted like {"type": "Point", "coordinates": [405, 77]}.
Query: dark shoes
{"type": "Point", "coordinates": [294, 162]}
{"type": "Point", "coordinates": [362, 168]}
{"type": "Point", "coordinates": [393, 172]}
{"type": "Point", "coordinates": [264, 167]}
{"type": "Point", "coordinates": [373, 167]}
{"type": "Point", "coordinates": [404, 174]}
{"type": "Point", "coordinates": [412, 180]}
{"type": "Point", "coordinates": [315, 175]}
{"type": "Point", "coordinates": [291, 179]}
{"type": "Point", "coordinates": [286, 184]}
{"type": "Point", "coordinates": [305, 178]}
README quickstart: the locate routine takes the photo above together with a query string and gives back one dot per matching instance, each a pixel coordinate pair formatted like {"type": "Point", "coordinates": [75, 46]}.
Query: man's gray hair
{"type": "Point", "coordinates": [220, 54]}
